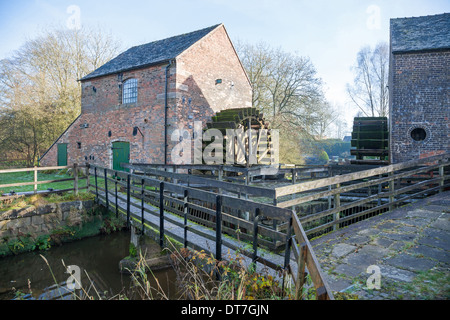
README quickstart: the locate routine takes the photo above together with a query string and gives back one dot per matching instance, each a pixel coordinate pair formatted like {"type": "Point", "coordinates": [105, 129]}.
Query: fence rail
{"type": "Point", "coordinates": [360, 194]}
{"type": "Point", "coordinates": [211, 207]}
{"type": "Point", "coordinates": [76, 169]}
{"type": "Point", "coordinates": [240, 174]}
{"type": "Point", "coordinates": [167, 201]}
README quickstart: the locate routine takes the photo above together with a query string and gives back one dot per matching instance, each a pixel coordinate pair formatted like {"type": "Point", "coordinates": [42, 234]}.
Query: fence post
{"type": "Point", "coordinates": [337, 204]}
{"type": "Point", "coordinates": [220, 178]}
{"type": "Point", "coordinates": [380, 189]}
{"type": "Point", "coordinates": [329, 197]}
{"type": "Point", "coordinates": [142, 205]}
{"type": "Point", "coordinates": [128, 200]}
{"type": "Point", "coordinates": [106, 189]}
{"type": "Point", "coordinates": [287, 251]}
{"type": "Point", "coordinates": [96, 186]}
{"type": "Point", "coordinates": [75, 181]}
{"type": "Point", "coordinates": [161, 214]}
{"type": "Point", "coordinates": [35, 180]}
{"type": "Point", "coordinates": [218, 227]}
{"type": "Point", "coordinates": [255, 235]}
{"type": "Point", "coordinates": [185, 212]}
{"type": "Point", "coordinates": [115, 190]}
{"type": "Point", "coordinates": [87, 177]}
{"type": "Point", "coordinates": [441, 176]}
{"type": "Point", "coordinates": [301, 275]}
{"type": "Point", "coordinates": [218, 233]}
{"type": "Point", "coordinates": [391, 191]}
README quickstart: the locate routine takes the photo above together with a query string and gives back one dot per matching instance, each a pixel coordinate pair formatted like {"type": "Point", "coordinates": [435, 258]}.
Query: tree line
{"type": "Point", "coordinates": [289, 92]}
{"type": "Point", "coordinates": [39, 92]}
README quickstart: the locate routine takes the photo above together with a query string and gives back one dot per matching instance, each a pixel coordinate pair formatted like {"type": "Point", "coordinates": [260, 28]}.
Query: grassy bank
{"type": "Point", "coordinates": [20, 177]}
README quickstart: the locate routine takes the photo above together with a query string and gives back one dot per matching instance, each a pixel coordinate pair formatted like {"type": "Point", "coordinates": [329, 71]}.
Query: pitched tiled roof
{"type": "Point", "coordinates": [421, 33]}
{"type": "Point", "coordinates": [149, 54]}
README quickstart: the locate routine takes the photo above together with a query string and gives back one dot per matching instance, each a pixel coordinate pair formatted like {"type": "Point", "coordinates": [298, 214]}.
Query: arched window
{"type": "Point", "coordinates": [129, 93]}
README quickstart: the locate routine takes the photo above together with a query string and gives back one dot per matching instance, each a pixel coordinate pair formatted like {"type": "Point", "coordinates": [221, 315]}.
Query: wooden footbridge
{"type": "Point", "coordinates": [200, 208]}
{"type": "Point", "coordinates": [170, 204]}
{"type": "Point", "coordinates": [223, 209]}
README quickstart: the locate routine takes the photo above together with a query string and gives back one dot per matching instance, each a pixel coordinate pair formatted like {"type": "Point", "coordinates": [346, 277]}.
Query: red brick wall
{"type": "Point", "coordinates": [103, 111]}
{"type": "Point", "coordinates": [207, 60]}
{"type": "Point", "coordinates": [198, 68]}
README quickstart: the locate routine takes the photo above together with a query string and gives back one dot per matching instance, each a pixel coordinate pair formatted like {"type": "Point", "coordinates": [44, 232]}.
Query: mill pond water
{"type": "Point", "coordinates": [98, 261]}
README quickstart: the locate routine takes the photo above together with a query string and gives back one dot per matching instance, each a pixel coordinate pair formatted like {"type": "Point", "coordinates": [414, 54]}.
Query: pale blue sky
{"type": "Point", "coordinates": [329, 32]}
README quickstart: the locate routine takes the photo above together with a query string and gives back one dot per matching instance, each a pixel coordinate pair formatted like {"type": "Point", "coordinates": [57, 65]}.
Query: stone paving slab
{"type": "Point", "coordinates": [410, 247]}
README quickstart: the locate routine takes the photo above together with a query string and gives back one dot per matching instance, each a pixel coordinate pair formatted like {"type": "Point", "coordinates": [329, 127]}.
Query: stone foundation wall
{"type": "Point", "coordinates": [36, 221]}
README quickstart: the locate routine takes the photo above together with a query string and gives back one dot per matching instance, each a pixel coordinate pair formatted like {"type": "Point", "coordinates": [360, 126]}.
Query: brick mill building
{"type": "Point", "coordinates": [131, 105]}
{"type": "Point", "coordinates": [419, 87]}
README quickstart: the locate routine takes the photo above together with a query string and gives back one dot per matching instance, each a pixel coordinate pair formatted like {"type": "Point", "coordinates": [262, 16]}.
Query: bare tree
{"type": "Point", "coordinates": [325, 117]}
{"type": "Point", "coordinates": [289, 92]}
{"type": "Point", "coordinates": [369, 91]}
{"type": "Point", "coordinates": [39, 92]}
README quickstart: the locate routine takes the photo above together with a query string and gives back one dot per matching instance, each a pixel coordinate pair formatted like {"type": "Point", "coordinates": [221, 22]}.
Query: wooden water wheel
{"type": "Point", "coordinates": [261, 149]}
{"type": "Point", "coordinates": [370, 140]}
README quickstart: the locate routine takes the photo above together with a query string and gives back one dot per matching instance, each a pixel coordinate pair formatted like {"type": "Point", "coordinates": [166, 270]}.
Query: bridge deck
{"type": "Point", "coordinates": [197, 241]}
{"type": "Point", "coordinates": [410, 245]}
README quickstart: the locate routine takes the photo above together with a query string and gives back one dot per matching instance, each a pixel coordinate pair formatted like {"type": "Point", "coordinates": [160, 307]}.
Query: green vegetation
{"type": "Point", "coordinates": [39, 200]}
{"type": "Point", "coordinates": [132, 250]}
{"type": "Point", "coordinates": [430, 285]}
{"type": "Point", "coordinates": [198, 273]}
{"type": "Point", "coordinates": [323, 157]}
{"type": "Point", "coordinates": [332, 147]}
{"type": "Point", "coordinates": [96, 221]}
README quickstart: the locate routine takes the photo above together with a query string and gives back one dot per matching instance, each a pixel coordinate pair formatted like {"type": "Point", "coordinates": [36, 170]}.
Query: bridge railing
{"type": "Point", "coordinates": [327, 204]}
{"type": "Point", "coordinates": [242, 175]}
{"type": "Point", "coordinates": [140, 195]}
{"type": "Point", "coordinates": [189, 179]}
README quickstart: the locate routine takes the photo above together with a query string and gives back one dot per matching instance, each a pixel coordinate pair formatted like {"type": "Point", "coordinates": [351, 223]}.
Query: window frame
{"type": "Point", "coordinates": [423, 127]}
{"type": "Point", "coordinates": [130, 91]}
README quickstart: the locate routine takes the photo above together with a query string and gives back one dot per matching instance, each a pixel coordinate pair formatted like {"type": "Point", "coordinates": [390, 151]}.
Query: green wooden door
{"type": "Point", "coordinates": [121, 154]}
{"type": "Point", "coordinates": [62, 154]}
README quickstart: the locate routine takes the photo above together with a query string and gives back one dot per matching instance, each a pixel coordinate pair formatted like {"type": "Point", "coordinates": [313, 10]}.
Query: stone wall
{"type": "Point", "coordinates": [42, 220]}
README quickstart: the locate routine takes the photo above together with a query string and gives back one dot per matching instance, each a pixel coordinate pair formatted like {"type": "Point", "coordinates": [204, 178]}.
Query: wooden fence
{"type": "Point", "coordinates": [221, 212]}
{"type": "Point", "coordinates": [225, 206]}
{"type": "Point", "coordinates": [76, 179]}
{"type": "Point", "coordinates": [358, 195]}
{"type": "Point", "coordinates": [241, 175]}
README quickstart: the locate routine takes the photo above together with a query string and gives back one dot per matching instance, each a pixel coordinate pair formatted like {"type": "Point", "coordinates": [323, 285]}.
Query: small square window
{"type": "Point", "coordinates": [129, 93]}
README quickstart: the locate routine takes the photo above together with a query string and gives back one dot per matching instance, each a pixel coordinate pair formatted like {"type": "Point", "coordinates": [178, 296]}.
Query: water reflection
{"type": "Point", "coordinates": [97, 256]}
